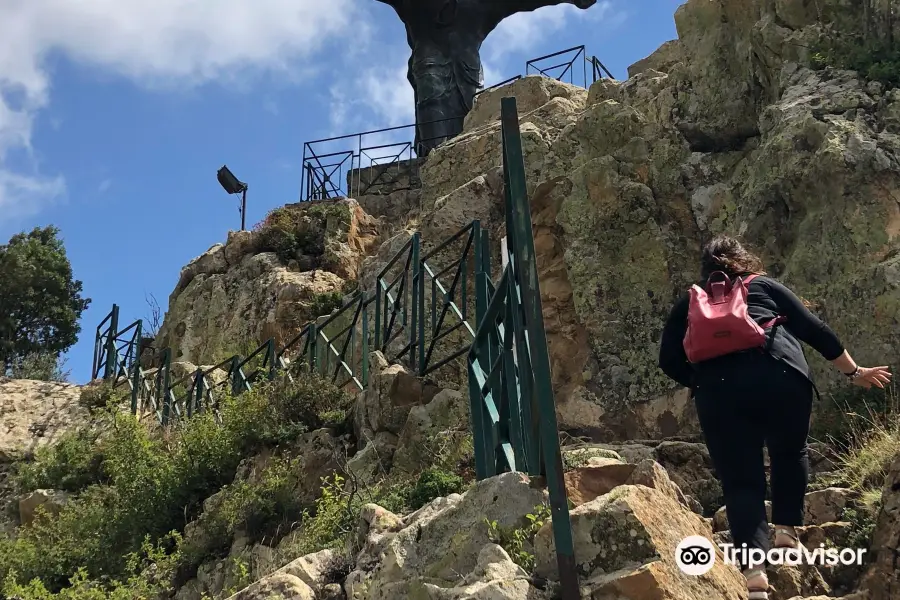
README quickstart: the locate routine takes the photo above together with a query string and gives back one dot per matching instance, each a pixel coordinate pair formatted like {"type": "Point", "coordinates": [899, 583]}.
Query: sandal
{"type": "Point", "coordinates": [759, 591]}
{"type": "Point", "coordinates": [795, 545]}
{"type": "Point", "coordinates": [791, 533]}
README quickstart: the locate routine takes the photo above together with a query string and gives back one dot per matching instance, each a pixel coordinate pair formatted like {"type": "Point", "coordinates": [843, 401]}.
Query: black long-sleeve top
{"type": "Point", "coordinates": [766, 299]}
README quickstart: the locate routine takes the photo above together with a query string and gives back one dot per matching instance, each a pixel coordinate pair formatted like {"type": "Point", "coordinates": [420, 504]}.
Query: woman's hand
{"type": "Point", "coordinates": [877, 376]}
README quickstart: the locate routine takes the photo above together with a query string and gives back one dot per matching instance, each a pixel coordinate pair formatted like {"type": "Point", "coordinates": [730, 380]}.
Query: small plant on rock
{"type": "Point", "coordinates": [326, 303]}
{"type": "Point", "coordinates": [519, 541]}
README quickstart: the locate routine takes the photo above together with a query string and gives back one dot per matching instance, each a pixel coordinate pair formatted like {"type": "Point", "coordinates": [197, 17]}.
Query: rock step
{"type": "Point", "coordinates": [821, 507]}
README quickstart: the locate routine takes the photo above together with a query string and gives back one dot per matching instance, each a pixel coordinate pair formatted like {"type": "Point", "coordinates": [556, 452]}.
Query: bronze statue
{"type": "Point", "coordinates": [445, 71]}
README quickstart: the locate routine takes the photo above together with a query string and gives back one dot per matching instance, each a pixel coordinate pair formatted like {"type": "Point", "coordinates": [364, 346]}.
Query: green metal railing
{"type": "Point", "coordinates": [104, 345]}
{"type": "Point", "coordinates": [407, 317]}
{"type": "Point", "coordinates": [510, 392]}
{"type": "Point", "coordinates": [419, 301]}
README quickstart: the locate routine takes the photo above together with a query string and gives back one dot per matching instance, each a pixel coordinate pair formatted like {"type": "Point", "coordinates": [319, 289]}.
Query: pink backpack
{"type": "Point", "coordinates": [718, 321]}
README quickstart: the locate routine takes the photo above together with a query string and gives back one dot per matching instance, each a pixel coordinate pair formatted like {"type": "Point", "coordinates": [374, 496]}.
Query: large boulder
{"type": "Point", "coordinates": [48, 501]}
{"type": "Point", "coordinates": [625, 545]}
{"type": "Point", "coordinates": [236, 295]}
{"type": "Point", "coordinates": [435, 549]}
{"type": "Point", "coordinates": [387, 401]}
{"type": "Point", "coordinates": [447, 412]}
{"type": "Point", "coordinates": [278, 585]}
{"type": "Point", "coordinates": [35, 414]}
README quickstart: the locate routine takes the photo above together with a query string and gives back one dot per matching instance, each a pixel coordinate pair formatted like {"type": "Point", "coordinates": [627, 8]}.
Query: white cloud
{"type": "Point", "coordinates": [154, 42]}
{"type": "Point", "coordinates": [104, 186]}
{"type": "Point", "coordinates": [24, 195]}
{"type": "Point", "coordinates": [525, 30]}
{"type": "Point", "coordinates": [379, 97]}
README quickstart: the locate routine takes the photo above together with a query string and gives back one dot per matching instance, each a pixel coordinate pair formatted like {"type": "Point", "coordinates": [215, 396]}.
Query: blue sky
{"type": "Point", "coordinates": [115, 116]}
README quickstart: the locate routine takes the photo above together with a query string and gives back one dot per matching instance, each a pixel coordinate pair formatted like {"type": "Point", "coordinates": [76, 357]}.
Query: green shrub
{"type": "Point", "coordinates": [434, 483]}
{"type": "Point", "coordinates": [149, 577]}
{"type": "Point", "coordinates": [868, 445]}
{"type": "Point", "coordinates": [260, 508]}
{"type": "Point", "coordinates": [874, 59]}
{"type": "Point", "coordinates": [71, 464]}
{"type": "Point", "coordinates": [149, 484]}
{"type": "Point", "coordinates": [848, 410]}
{"type": "Point", "coordinates": [40, 366]}
{"type": "Point", "coordinates": [326, 303]}
{"type": "Point", "coordinates": [98, 396]}
{"type": "Point", "coordinates": [291, 230]}
{"type": "Point", "coordinates": [862, 519]}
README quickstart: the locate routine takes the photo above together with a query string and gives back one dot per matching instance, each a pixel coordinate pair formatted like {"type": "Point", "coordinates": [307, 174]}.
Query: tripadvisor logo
{"type": "Point", "coordinates": [696, 555]}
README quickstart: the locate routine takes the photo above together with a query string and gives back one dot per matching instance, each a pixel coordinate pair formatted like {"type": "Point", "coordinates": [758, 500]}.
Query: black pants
{"type": "Point", "coordinates": [745, 401]}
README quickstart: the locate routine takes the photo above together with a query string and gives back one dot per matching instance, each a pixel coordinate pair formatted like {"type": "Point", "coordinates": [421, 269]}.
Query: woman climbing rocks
{"type": "Point", "coordinates": [734, 340]}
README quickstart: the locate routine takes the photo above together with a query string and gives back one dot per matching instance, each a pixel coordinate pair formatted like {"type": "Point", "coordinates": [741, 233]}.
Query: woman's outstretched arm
{"type": "Point", "coordinates": [812, 330]}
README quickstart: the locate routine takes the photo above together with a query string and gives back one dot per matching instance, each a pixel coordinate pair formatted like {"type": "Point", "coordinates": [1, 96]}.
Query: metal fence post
{"type": "Point", "coordinates": [199, 384]}
{"type": "Point", "coordinates": [414, 301]}
{"type": "Point", "coordinates": [235, 375]}
{"type": "Point", "coordinates": [482, 350]}
{"type": "Point", "coordinates": [270, 356]}
{"type": "Point", "coordinates": [136, 346]}
{"type": "Point", "coordinates": [111, 353]}
{"type": "Point", "coordinates": [163, 381]}
{"type": "Point", "coordinates": [137, 383]}
{"type": "Point", "coordinates": [526, 270]}
{"type": "Point", "coordinates": [312, 339]}
{"type": "Point", "coordinates": [364, 344]}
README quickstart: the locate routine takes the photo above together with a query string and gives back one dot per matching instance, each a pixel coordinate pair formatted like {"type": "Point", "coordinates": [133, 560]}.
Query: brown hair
{"type": "Point", "coordinates": [728, 255]}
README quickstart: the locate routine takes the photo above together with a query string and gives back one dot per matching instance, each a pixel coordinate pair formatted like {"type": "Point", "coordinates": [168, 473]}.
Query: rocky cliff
{"type": "Point", "coordinates": [726, 129]}
{"type": "Point", "coordinates": [297, 491]}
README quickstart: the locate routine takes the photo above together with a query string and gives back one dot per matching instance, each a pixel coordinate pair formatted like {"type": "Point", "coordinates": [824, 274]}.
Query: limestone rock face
{"type": "Point", "coordinates": [545, 106]}
{"type": "Point", "coordinates": [278, 585]}
{"type": "Point", "coordinates": [36, 413]}
{"type": "Point", "coordinates": [303, 577]}
{"type": "Point", "coordinates": [625, 543]}
{"type": "Point", "coordinates": [883, 578]}
{"type": "Point", "coordinates": [385, 405]}
{"type": "Point", "coordinates": [725, 130]}
{"type": "Point", "coordinates": [447, 411]}
{"type": "Point", "coordinates": [236, 295]}
{"type": "Point", "coordinates": [440, 550]}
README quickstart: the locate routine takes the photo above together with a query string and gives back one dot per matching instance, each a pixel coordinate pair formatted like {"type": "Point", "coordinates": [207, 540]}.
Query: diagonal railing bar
{"type": "Point", "coordinates": [267, 367]}
{"type": "Point", "coordinates": [105, 345]}
{"type": "Point", "coordinates": [568, 66]}
{"type": "Point", "coordinates": [126, 351]}
{"type": "Point", "coordinates": [471, 237]}
{"type": "Point", "coordinates": [389, 307]}
{"type": "Point", "coordinates": [206, 398]}
{"type": "Point", "coordinates": [598, 69]}
{"type": "Point", "coordinates": [498, 85]}
{"type": "Point", "coordinates": [345, 334]}
{"type": "Point", "coordinates": [304, 342]}
{"type": "Point", "coordinates": [320, 177]}
{"type": "Point", "coordinates": [382, 169]}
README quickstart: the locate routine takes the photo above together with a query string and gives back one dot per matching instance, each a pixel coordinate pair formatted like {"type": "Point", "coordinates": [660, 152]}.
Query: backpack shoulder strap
{"type": "Point", "coordinates": [746, 280]}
